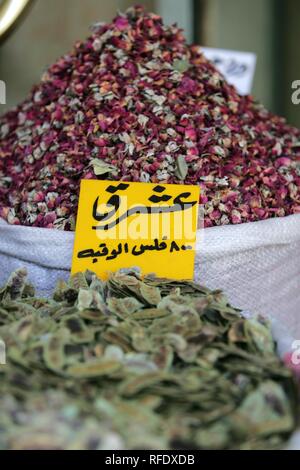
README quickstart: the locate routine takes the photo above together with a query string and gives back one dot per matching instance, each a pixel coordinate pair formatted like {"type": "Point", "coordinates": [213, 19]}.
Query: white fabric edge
{"type": "Point", "coordinates": [228, 239]}
{"type": "Point", "coordinates": [27, 244]}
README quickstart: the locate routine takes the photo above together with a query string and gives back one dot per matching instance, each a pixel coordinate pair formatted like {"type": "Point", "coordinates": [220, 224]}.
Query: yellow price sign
{"type": "Point", "coordinates": [145, 225]}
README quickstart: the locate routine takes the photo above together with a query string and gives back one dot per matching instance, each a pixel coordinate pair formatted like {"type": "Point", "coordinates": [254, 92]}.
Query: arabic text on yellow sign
{"type": "Point", "coordinates": [145, 225]}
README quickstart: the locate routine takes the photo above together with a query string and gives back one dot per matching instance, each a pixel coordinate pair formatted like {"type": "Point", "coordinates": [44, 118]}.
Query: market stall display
{"type": "Point", "coordinates": [135, 102]}
{"type": "Point", "coordinates": [137, 361]}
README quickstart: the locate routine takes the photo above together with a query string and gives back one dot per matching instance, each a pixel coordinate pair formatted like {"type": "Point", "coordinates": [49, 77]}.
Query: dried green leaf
{"type": "Point", "coordinates": [101, 168]}
{"type": "Point", "coordinates": [181, 167]}
{"type": "Point", "coordinates": [181, 65]}
{"type": "Point", "coordinates": [54, 355]}
{"type": "Point", "coordinates": [93, 369]}
{"type": "Point", "coordinates": [149, 314]}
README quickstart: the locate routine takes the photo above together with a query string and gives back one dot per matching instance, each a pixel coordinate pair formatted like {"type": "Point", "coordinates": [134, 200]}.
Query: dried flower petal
{"type": "Point", "coordinates": [135, 102]}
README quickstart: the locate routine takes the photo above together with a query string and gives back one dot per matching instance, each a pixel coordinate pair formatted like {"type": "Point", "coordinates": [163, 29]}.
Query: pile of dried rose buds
{"type": "Point", "coordinates": [134, 102]}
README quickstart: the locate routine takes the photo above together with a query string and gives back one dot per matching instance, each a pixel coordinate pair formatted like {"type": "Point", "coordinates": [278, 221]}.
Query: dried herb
{"type": "Point", "coordinates": [151, 363]}
{"type": "Point", "coordinates": [135, 102]}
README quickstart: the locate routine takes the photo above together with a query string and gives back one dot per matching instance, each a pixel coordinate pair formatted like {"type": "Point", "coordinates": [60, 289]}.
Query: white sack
{"type": "Point", "coordinates": [46, 253]}
{"type": "Point", "coordinates": [257, 263]}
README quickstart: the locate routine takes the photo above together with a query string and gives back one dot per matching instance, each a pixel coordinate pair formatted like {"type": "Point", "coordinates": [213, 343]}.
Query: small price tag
{"type": "Point", "coordinates": [145, 225]}
{"type": "Point", "coordinates": [237, 67]}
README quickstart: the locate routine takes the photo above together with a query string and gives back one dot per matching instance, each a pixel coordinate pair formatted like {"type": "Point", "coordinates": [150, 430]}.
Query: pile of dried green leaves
{"type": "Point", "coordinates": [132, 363]}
